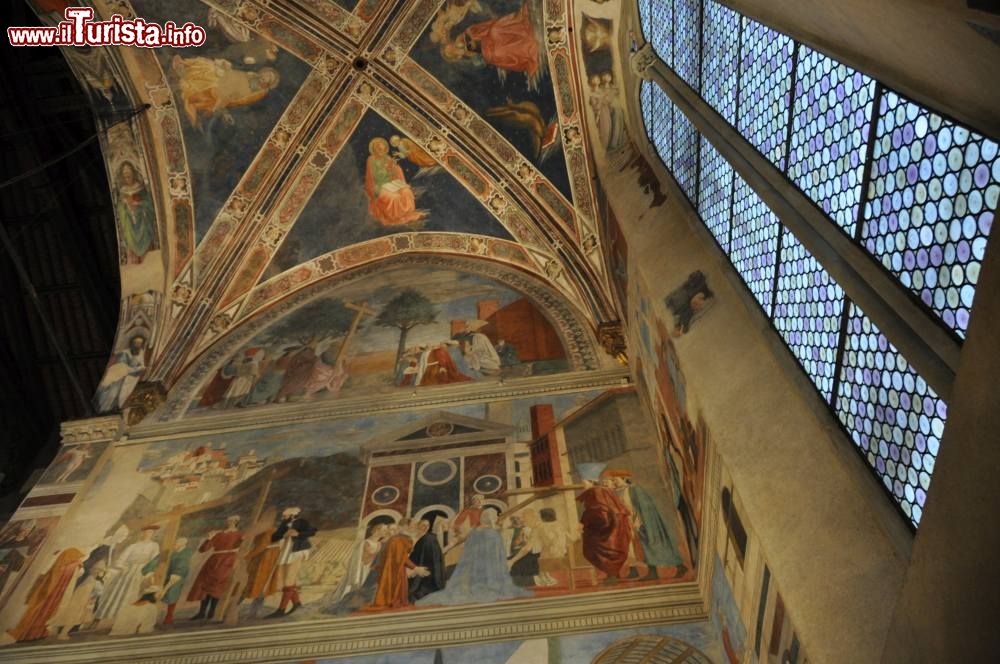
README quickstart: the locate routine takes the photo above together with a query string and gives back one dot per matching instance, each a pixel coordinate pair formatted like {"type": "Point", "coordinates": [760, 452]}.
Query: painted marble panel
{"type": "Point", "coordinates": [381, 183]}
{"type": "Point", "coordinates": [230, 92]}
{"type": "Point", "coordinates": [442, 327]}
{"type": "Point", "coordinates": [491, 55]}
{"type": "Point", "coordinates": [504, 501]}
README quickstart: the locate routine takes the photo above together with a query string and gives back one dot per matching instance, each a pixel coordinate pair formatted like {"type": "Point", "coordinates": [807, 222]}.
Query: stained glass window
{"type": "Point", "coordinates": [830, 127]}
{"type": "Point", "coordinates": [755, 242]}
{"type": "Point", "coordinates": [687, 41]}
{"type": "Point", "coordinates": [645, 19]}
{"type": "Point", "coordinates": [720, 55]}
{"type": "Point", "coordinates": [929, 207]}
{"type": "Point", "coordinates": [894, 417]}
{"type": "Point", "coordinates": [663, 30]}
{"type": "Point", "coordinates": [715, 193]}
{"type": "Point", "coordinates": [931, 199]}
{"type": "Point", "coordinates": [807, 312]}
{"type": "Point", "coordinates": [661, 123]}
{"type": "Point", "coordinates": [646, 105]}
{"type": "Point", "coordinates": [685, 165]}
{"type": "Point", "coordinates": [765, 89]}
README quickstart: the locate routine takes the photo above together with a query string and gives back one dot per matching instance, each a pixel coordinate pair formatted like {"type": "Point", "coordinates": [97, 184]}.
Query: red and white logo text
{"type": "Point", "coordinates": [79, 29]}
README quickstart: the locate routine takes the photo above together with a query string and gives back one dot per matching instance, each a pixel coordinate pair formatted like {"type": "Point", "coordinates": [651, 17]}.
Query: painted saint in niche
{"type": "Point", "coordinates": [210, 87]}
{"type": "Point", "coordinates": [135, 213]}
{"type": "Point", "coordinates": [510, 43]}
{"type": "Point", "coordinates": [123, 374]}
{"type": "Point", "coordinates": [391, 199]}
{"type": "Point", "coordinates": [607, 111]}
{"type": "Point", "coordinates": [72, 459]}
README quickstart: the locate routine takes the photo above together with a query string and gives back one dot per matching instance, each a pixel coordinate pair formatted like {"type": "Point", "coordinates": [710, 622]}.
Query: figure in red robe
{"type": "Point", "coordinates": [508, 43]}
{"type": "Point", "coordinates": [45, 596]}
{"type": "Point", "coordinates": [607, 531]}
{"type": "Point", "coordinates": [215, 574]}
{"type": "Point", "coordinates": [394, 569]}
{"type": "Point", "coordinates": [390, 198]}
{"type": "Point", "coordinates": [300, 368]}
{"type": "Point", "coordinates": [441, 368]}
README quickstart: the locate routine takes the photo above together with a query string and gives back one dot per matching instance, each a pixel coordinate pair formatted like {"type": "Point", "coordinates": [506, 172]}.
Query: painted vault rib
{"type": "Point", "coordinates": [211, 292]}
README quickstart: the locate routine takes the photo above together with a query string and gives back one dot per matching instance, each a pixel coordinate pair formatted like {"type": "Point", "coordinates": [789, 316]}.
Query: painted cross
{"type": "Point", "coordinates": [362, 310]}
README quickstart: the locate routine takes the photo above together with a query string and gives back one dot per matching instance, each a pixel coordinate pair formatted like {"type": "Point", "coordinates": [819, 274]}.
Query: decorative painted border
{"type": "Point", "coordinates": [430, 398]}
{"type": "Point", "coordinates": [406, 631]}
{"type": "Point", "coordinates": [91, 430]}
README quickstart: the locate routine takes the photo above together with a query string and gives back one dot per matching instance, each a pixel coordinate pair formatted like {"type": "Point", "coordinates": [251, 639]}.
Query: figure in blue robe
{"type": "Point", "coordinates": [121, 377]}
{"type": "Point", "coordinates": [481, 575]}
{"type": "Point", "coordinates": [656, 536]}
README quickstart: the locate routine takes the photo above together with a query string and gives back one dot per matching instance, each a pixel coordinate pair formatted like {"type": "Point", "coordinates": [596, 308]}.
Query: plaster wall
{"type": "Point", "coordinates": [831, 536]}
{"type": "Point", "coordinates": [949, 601]}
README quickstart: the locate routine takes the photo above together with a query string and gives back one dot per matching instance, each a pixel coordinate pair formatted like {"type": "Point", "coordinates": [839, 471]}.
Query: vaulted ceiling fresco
{"type": "Point", "coordinates": [307, 139]}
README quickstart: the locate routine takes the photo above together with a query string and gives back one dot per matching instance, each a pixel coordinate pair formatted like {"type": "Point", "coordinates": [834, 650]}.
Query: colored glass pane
{"type": "Point", "coordinates": [893, 416]}
{"type": "Point", "coordinates": [931, 201]}
{"type": "Point", "coordinates": [662, 14]}
{"type": "Point", "coordinates": [715, 193]}
{"type": "Point", "coordinates": [765, 89]}
{"type": "Point", "coordinates": [687, 41]}
{"type": "Point", "coordinates": [807, 312]}
{"type": "Point", "coordinates": [685, 163]}
{"type": "Point", "coordinates": [720, 56]}
{"type": "Point", "coordinates": [754, 242]}
{"type": "Point", "coordinates": [830, 129]}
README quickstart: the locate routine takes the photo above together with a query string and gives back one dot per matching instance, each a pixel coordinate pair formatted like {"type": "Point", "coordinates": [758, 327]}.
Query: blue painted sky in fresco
{"type": "Point", "coordinates": [337, 215]}
{"type": "Point", "coordinates": [453, 294]}
{"type": "Point", "coordinates": [219, 153]}
{"type": "Point", "coordinates": [481, 87]}
{"type": "Point", "coordinates": [348, 435]}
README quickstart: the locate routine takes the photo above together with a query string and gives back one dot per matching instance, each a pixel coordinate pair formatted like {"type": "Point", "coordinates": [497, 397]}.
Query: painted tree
{"type": "Point", "coordinates": [405, 311]}
{"type": "Point", "coordinates": [320, 318]}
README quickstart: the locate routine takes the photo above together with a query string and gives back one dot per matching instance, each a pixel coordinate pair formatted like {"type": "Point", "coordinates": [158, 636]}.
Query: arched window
{"type": "Point", "coordinates": [912, 188]}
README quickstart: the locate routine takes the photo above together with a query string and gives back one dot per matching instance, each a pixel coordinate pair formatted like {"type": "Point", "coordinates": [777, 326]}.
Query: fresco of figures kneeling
{"type": "Point", "coordinates": [503, 501]}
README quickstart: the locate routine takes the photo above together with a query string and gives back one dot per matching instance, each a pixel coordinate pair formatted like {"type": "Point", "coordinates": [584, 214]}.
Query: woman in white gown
{"type": "Point", "coordinates": [124, 587]}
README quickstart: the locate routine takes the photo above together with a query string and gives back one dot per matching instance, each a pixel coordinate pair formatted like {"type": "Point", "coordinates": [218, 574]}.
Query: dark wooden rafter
{"type": "Point", "coordinates": [58, 310]}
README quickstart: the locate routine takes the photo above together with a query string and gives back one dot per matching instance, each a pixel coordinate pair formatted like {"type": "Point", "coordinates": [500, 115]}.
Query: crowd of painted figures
{"type": "Point", "coordinates": [481, 555]}
{"type": "Point", "coordinates": [292, 371]}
